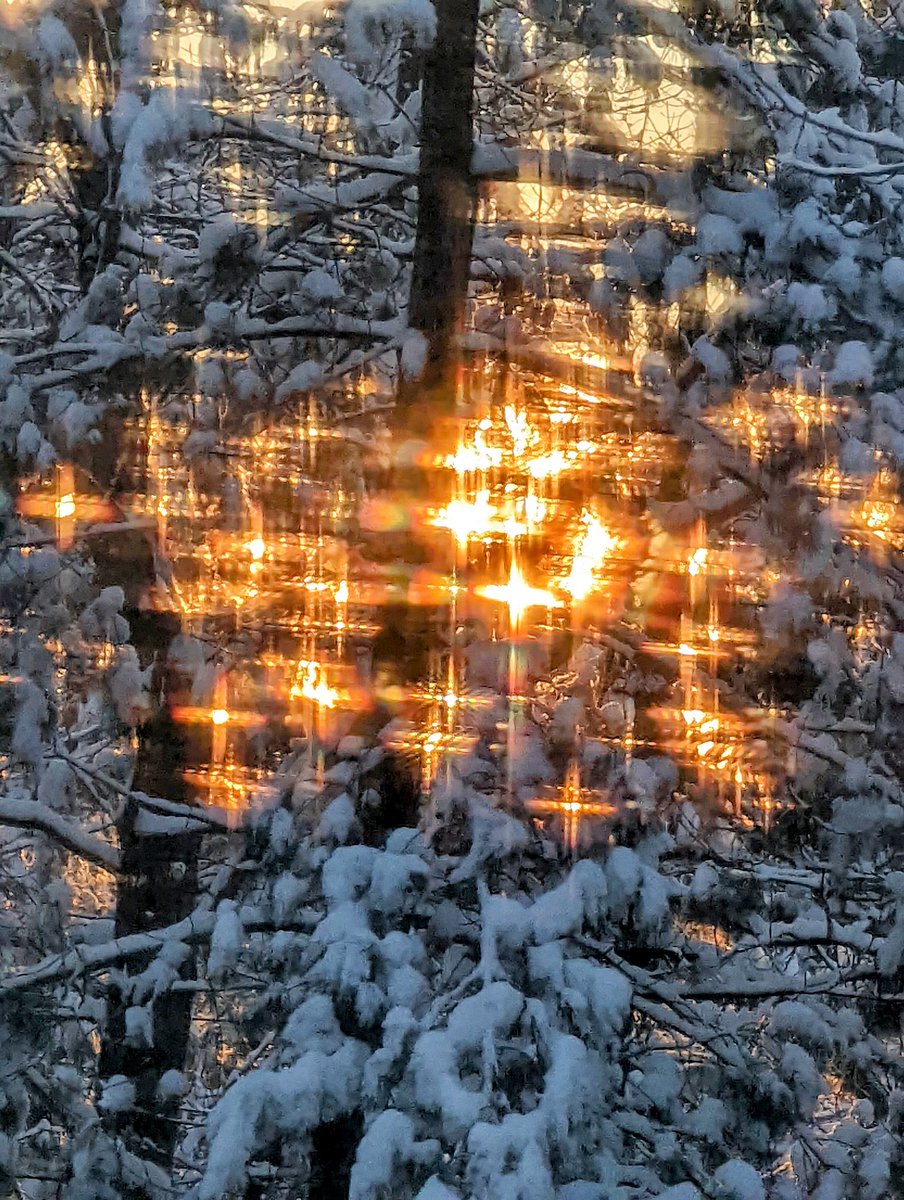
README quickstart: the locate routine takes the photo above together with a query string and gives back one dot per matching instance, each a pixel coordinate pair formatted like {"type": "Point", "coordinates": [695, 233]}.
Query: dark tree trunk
{"type": "Point", "coordinates": [95, 179]}
{"type": "Point", "coordinates": [158, 887]}
{"type": "Point", "coordinates": [98, 222]}
{"type": "Point", "coordinates": [447, 189]}
{"type": "Point", "coordinates": [333, 1150]}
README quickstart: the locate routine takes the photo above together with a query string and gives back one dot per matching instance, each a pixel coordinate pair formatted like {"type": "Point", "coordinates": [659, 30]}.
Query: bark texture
{"type": "Point", "coordinates": [447, 189]}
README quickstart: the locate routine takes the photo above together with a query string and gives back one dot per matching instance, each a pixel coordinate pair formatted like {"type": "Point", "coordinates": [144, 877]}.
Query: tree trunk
{"type": "Point", "coordinates": [447, 189]}
{"type": "Point", "coordinates": [158, 887]}
{"type": "Point", "coordinates": [333, 1150]}
{"type": "Point", "coordinates": [95, 177]}
{"type": "Point", "coordinates": [98, 222]}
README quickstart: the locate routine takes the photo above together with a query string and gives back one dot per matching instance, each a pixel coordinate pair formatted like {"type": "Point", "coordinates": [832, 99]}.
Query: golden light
{"type": "Point", "coordinates": [65, 506]}
{"type": "Point", "coordinates": [519, 595]}
{"type": "Point", "coordinates": [595, 545]}
{"type": "Point", "coordinates": [509, 513]}
{"type": "Point", "coordinates": [478, 457]}
{"type": "Point", "coordinates": [591, 358]}
{"type": "Point", "coordinates": [219, 717]}
{"type": "Point", "coordinates": [313, 686]}
{"type": "Point", "coordinates": [877, 516]}
{"type": "Point", "coordinates": [320, 693]}
{"type": "Point", "coordinates": [573, 804]}
{"type": "Point", "coordinates": [697, 561]}
{"type": "Point", "coordinates": [519, 429]}
{"type": "Point", "coordinates": [553, 463]}
{"type": "Point", "coordinates": [467, 518]}
{"type": "Point", "coordinates": [535, 509]}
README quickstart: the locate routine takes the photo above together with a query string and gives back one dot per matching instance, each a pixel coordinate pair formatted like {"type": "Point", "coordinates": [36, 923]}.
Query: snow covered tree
{"type": "Point", "coordinates": [697, 1007]}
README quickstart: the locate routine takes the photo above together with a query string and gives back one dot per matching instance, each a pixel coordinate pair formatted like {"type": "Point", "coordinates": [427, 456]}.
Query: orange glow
{"type": "Point", "coordinates": [697, 561]}
{"type": "Point", "coordinates": [219, 717]}
{"type": "Point", "coordinates": [311, 685]}
{"type": "Point", "coordinates": [573, 804]}
{"type": "Point", "coordinates": [519, 595]}
{"type": "Point", "coordinates": [519, 503]}
{"type": "Point", "coordinates": [467, 519]}
{"type": "Point", "coordinates": [595, 544]}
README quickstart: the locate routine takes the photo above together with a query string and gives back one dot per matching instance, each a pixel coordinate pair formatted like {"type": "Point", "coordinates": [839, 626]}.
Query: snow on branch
{"type": "Point", "coordinates": [30, 814]}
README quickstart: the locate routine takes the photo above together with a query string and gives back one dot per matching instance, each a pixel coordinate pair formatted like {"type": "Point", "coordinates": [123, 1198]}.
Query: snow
{"type": "Point", "coordinates": [161, 972]}
{"type": "Point", "coordinates": [845, 275]}
{"type": "Point", "coordinates": [226, 940]}
{"type": "Point", "coordinates": [435, 1189]}
{"type": "Point", "coordinates": [853, 365]}
{"type": "Point", "coordinates": [266, 1104]}
{"type": "Point", "coordinates": [892, 276]}
{"type": "Point", "coordinates": [347, 873]}
{"type": "Point", "coordinates": [302, 378]}
{"type": "Point", "coordinates": [810, 303]}
{"type": "Point", "coordinates": [218, 316]}
{"type": "Point", "coordinates": [737, 1180]}
{"type": "Point", "coordinates": [369, 22]}
{"type": "Point", "coordinates": [395, 881]}
{"type": "Point", "coordinates": [581, 900]}
{"type": "Point", "coordinates": [652, 253]}
{"type": "Point", "coordinates": [118, 1094]}
{"type": "Point", "coordinates": [313, 1026]}
{"type": "Point", "coordinates": [407, 988]}
{"type": "Point", "coordinates": [714, 361]}
{"type": "Point", "coordinates": [32, 712]}
{"type": "Point", "coordinates": [172, 1085]}
{"type": "Point", "coordinates": [414, 354]}
{"type": "Point", "coordinates": [389, 1142]}
{"type": "Point", "coordinates": [338, 819]}
{"type": "Point", "coordinates": [705, 881]}
{"type": "Point", "coordinates": [341, 86]}
{"type": "Point", "coordinates": [56, 45]}
{"type": "Point", "coordinates": [507, 1023]}
{"type": "Point", "coordinates": [139, 1025]}
{"type": "Point", "coordinates": [624, 876]}
{"type": "Point", "coordinates": [164, 120]}
{"type": "Point", "coordinates": [436, 1057]}
{"type": "Point", "coordinates": [320, 286]}
{"type": "Point", "coordinates": [607, 993]}
{"type": "Point", "coordinates": [718, 235]}
{"type": "Point", "coordinates": [27, 813]}
{"type": "Point", "coordinates": [28, 441]}
{"type": "Point", "coordinates": [281, 831]}
{"type": "Point", "coordinates": [127, 686]}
